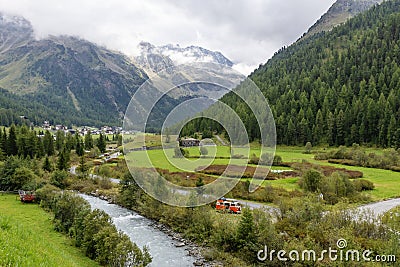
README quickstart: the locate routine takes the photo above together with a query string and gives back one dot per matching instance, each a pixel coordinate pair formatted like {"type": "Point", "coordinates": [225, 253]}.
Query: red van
{"type": "Point", "coordinates": [229, 205]}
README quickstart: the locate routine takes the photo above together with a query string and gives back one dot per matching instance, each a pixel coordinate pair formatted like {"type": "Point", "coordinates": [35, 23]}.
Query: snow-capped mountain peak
{"type": "Point", "coordinates": [15, 21]}
{"type": "Point", "coordinates": [155, 57]}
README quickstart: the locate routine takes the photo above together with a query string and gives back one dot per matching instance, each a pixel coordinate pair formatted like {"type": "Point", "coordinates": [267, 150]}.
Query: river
{"type": "Point", "coordinates": [161, 246]}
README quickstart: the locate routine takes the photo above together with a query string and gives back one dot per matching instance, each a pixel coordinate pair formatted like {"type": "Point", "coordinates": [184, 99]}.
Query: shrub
{"type": "Point", "coordinates": [46, 196]}
{"type": "Point", "coordinates": [363, 185]}
{"type": "Point", "coordinates": [310, 180]}
{"type": "Point", "coordinates": [321, 156]}
{"type": "Point", "coordinates": [392, 218]}
{"type": "Point", "coordinates": [254, 159]}
{"type": "Point", "coordinates": [277, 160]}
{"type": "Point", "coordinates": [59, 178]}
{"type": "Point", "coordinates": [180, 152]}
{"type": "Point", "coordinates": [335, 187]}
{"type": "Point", "coordinates": [308, 148]}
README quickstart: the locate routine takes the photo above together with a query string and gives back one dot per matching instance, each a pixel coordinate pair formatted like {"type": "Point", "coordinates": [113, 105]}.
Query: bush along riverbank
{"type": "Point", "coordinates": [92, 231]}
{"type": "Point", "coordinates": [193, 246]}
{"type": "Point", "coordinates": [235, 240]}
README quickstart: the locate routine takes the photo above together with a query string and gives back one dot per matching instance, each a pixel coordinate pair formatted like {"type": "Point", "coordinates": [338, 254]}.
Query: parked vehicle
{"type": "Point", "coordinates": [26, 196]}
{"type": "Point", "coordinates": [228, 205]}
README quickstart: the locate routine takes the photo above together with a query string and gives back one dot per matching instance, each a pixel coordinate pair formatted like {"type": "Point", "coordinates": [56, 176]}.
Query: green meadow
{"type": "Point", "coordinates": [28, 238]}
{"type": "Point", "coordinates": [387, 183]}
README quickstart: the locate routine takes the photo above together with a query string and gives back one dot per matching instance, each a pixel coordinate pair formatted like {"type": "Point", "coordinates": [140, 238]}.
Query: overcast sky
{"type": "Point", "coordinates": [246, 31]}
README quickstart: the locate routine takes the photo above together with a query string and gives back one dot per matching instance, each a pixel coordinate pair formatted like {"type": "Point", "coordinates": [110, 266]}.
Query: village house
{"type": "Point", "coordinates": [187, 142]}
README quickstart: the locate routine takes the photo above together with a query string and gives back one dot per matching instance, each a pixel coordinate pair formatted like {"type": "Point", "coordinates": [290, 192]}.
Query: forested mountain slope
{"type": "Point", "coordinates": [339, 87]}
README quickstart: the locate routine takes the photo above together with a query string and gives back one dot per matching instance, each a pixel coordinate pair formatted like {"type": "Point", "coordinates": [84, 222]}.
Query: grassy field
{"type": "Point", "coordinates": [132, 141]}
{"type": "Point", "coordinates": [164, 159]}
{"type": "Point", "coordinates": [387, 183]}
{"type": "Point", "coordinates": [27, 238]}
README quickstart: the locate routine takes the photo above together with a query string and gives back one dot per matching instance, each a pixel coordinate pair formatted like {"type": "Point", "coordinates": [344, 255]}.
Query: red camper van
{"type": "Point", "coordinates": [229, 205]}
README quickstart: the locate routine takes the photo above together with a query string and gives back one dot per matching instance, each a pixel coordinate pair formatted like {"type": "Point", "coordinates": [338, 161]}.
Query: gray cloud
{"type": "Point", "coordinates": [247, 32]}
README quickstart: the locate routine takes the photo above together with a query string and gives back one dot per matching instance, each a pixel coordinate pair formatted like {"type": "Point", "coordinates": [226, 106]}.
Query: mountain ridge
{"type": "Point", "coordinates": [339, 13]}
{"type": "Point", "coordinates": [71, 80]}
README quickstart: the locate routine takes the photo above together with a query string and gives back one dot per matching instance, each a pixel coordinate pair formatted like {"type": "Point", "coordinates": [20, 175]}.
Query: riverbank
{"type": "Point", "coordinates": [167, 247]}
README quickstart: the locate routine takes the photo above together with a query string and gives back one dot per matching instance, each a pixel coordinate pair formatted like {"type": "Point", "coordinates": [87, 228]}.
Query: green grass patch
{"type": "Point", "coordinates": [387, 183]}
{"type": "Point", "coordinates": [287, 183]}
{"type": "Point", "coordinates": [28, 238]}
{"type": "Point", "coordinates": [164, 159]}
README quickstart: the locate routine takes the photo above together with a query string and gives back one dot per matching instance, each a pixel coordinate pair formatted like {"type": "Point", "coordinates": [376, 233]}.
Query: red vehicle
{"type": "Point", "coordinates": [229, 205]}
{"type": "Point", "coordinates": [26, 196]}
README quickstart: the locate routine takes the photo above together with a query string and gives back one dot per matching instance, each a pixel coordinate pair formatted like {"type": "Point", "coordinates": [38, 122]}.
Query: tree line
{"type": "Point", "coordinates": [26, 153]}
{"type": "Point", "coordinates": [26, 142]}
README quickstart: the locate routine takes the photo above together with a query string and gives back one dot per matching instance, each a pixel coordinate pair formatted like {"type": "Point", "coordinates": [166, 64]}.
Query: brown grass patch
{"type": "Point", "coordinates": [235, 171]}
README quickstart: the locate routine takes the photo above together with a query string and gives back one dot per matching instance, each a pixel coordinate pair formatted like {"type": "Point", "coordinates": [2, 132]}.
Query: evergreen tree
{"type": "Point", "coordinates": [40, 148]}
{"type": "Point", "coordinates": [303, 131]}
{"type": "Point", "coordinates": [88, 141]}
{"type": "Point", "coordinates": [63, 160]}
{"type": "Point", "coordinates": [60, 138]}
{"type": "Point", "coordinates": [47, 165]}
{"type": "Point", "coordinates": [79, 145]}
{"type": "Point", "coordinates": [246, 229]}
{"type": "Point", "coordinates": [101, 143]}
{"type": "Point", "coordinates": [353, 135]}
{"type": "Point", "coordinates": [391, 135]}
{"type": "Point", "coordinates": [396, 143]}
{"type": "Point", "coordinates": [340, 128]}
{"type": "Point", "coordinates": [291, 133]}
{"type": "Point", "coordinates": [70, 142]}
{"type": "Point", "coordinates": [48, 143]}
{"type": "Point", "coordinates": [330, 129]}
{"type": "Point", "coordinates": [82, 168]}
{"type": "Point", "coordinates": [318, 131]}
{"type": "Point", "coordinates": [12, 148]}
{"type": "Point", "coordinates": [32, 145]}
{"type": "Point", "coordinates": [3, 140]}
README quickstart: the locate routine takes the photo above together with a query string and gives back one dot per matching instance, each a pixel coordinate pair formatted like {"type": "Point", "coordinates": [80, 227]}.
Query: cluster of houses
{"type": "Point", "coordinates": [82, 130]}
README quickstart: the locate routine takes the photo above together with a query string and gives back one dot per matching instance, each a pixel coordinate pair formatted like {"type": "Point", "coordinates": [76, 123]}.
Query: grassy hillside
{"type": "Point", "coordinates": [27, 238]}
